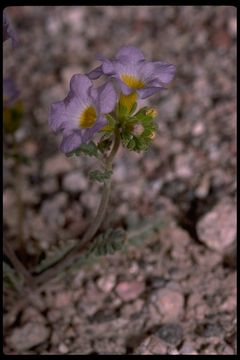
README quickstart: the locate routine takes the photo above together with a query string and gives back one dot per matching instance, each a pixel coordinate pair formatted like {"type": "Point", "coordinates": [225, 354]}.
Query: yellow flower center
{"type": "Point", "coordinates": [88, 117]}
{"type": "Point", "coordinates": [128, 100]}
{"type": "Point", "coordinates": [132, 81]}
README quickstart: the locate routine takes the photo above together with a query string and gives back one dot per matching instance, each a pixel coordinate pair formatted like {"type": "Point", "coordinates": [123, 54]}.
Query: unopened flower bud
{"type": "Point", "coordinates": [151, 112]}
{"type": "Point", "coordinates": [153, 135]}
{"type": "Point", "coordinates": [138, 129]}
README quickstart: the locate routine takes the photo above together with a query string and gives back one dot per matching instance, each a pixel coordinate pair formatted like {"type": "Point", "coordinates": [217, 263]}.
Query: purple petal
{"type": "Point", "coordinates": [57, 116]}
{"type": "Point", "coordinates": [89, 133]}
{"type": "Point", "coordinates": [144, 93]}
{"type": "Point", "coordinates": [107, 98]}
{"type": "Point", "coordinates": [10, 92]}
{"type": "Point", "coordinates": [124, 88]}
{"type": "Point", "coordinates": [99, 124]}
{"type": "Point", "coordinates": [94, 93]}
{"type": "Point", "coordinates": [130, 53]}
{"type": "Point", "coordinates": [95, 73]}
{"type": "Point", "coordinates": [108, 67]}
{"type": "Point", "coordinates": [80, 86]}
{"type": "Point", "coordinates": [164, 71]}
{"type": "Point", "coordinates": [71, 142]}
{"type": "Point", "coordinates": [8, 31]}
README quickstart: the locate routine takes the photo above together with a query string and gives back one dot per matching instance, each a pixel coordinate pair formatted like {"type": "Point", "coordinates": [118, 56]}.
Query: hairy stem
{"type": "Point", "coordinates": [19, 267]}
{"type": "Point", "coordinates": [94, 226]}
{"type": "Point", "coordinates": [19, 202]}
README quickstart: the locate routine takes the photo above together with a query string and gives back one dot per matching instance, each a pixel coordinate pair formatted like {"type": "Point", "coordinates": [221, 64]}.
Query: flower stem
{"type": "Point", "coordinates": [19, 202]}
{"type": "Point", "coordinates": [19, 267]}
{"type": "Point", "coordinates": [93, 227]}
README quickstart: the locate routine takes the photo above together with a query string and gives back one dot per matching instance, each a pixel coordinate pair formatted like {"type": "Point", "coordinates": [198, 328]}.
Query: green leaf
{"type": "Point", "coordinates": [107, 243]}
{"type": "Point", "coordinates": [100, 176]}
{"type": "Point", "coordinates": [89, 149]}
{"type": "Point", "coordinates": [104, 145]}
{"type": "Point", "coordinates": [23, 159]}
{"type": "Point", "coordinates": [110, 119]}
{"type": "Point", "coordinates": [11, 279]}
{"type": "Point", "coordinates": [7, 268]}
{"type": "Point", "coordinates": [12, 118]}
{"type": "Point", "coordinates": [122, 111]}
{"type": "Point", "coordinates": [133, 108]}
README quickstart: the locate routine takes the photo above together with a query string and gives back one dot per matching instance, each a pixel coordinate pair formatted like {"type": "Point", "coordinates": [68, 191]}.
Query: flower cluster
{"type": "Point", "coordinates": [8, 31]}
{"type": "Point", "coordinates": [88, 110]}
{"type": "Point", "coordinates": [12, 106]}
{"type": "Point", "coordinates": [10, 92]}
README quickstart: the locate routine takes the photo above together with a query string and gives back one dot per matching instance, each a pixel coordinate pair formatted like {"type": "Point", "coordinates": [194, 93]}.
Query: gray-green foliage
{"type": "Point", "coordinates": [142, 141]}
{"type": "Point", "coordinates": [107, 243]}
{"type": "Point", "coordinates": [58, 255]}
{"type": "Point", "coordinates": [11, 279]}
{"type": "Point", "coordinates": [89, 149]}
{"type": "Point", "coordinates": [101, 176]}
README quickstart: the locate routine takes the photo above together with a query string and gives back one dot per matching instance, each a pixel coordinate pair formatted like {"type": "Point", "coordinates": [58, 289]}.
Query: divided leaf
{"type": "Point", "coordinates": [107, 243]}
{"type": "Point", "coordinates": [89, 149]}
{"type": "Point", "coordinates": [100, 176]}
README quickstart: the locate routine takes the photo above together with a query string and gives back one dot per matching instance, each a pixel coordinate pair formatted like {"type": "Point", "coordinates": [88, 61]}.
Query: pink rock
{"type": "Point", "coordinates": [152, 345]}
{"type": "Point", "coordinates": [130, 290]}
{"type": "Point", "coordinates": [56, 165]}
{"type": "Point", "coordinates": [169, 303]}
{"type": "Point", "coordinates": [217, 229]}
{"type": "Point", "coordinates": [62, 299]}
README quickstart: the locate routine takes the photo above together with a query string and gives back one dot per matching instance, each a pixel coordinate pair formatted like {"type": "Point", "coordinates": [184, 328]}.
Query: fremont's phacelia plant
{"type": "Point", "coordinates": [95, 120]}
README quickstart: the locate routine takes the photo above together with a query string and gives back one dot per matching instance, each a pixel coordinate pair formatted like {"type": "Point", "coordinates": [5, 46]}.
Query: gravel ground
{"type": "Point", "coordinates": [173, 292]}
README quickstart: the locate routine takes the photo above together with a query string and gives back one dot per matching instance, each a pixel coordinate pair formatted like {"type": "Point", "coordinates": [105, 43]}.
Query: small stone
{"type": "Point", "coordinates": [171, 333]}
{"type": "Point", "coordinates": [169, 303]}
{"type": "Point", "coordinates": [209, 330]}
{"type": "Point", "coordinates": [49, 186]}
{"type": "Point", "coordinates": [54, 315]}
{"type": "Point", "coordinates": [188, 348]}
{"type": "Point", "coordinates": [57, 165]}
{"type": "Point", "coordinates": [32, 314]}
{"type": "Point", "coordinates": [30, 148]}
{"type": "Point", "coordinates": [157, 282]}
{"type": "Point", "coordinates": [89, 200]}
{"type": "Point", "coordinates": [203, 188]}
{"type": "Point", "coordinates": [74, 182]}
{"type": "Point", "coordinates": [198, 129]}
{"type": "Point", "coordinates": [63, 349]}
{"type": "Point", "coordinates": [28, 336]}
{"type": "Point", "coordinates": [152, 345]}
{"type": "Point", "coordinates": [51, 209]}
{"type": "Point", "coordinates": [183, 166]}
{"type": "Point", "coordinates": [229, 259]}
{"type": "Point", "coordinates": [128, 291]}
{"type": "Point", "coordinates": [106, 283]}
{"type": "Point", "coordinates": [62, 300]}
{"type": "Point", "coordinates": [217, 229]}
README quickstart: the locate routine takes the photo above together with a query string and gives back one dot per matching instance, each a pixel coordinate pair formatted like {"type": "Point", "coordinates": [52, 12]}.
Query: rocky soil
{"type": "Point", "coordinates": [173, 291]}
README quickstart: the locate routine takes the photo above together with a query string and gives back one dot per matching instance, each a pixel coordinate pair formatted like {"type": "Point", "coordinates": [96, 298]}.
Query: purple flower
{"type": "Point", "coordinates": [81, 114]}
{"type": "Point", "coordinates": [8, 31]}
{"type": "Point", "coordinates": [10, 92]}
{"type": "Point", "coordinates": [134, 74]}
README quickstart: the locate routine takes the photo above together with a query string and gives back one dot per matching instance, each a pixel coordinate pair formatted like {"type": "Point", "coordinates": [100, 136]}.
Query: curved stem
{"type": "Point", "coordinates": [19, 267]}
{"type": "Point", "coordinates": [19, 202]}
{"type": "Point", "coordinates": [93, 227]}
